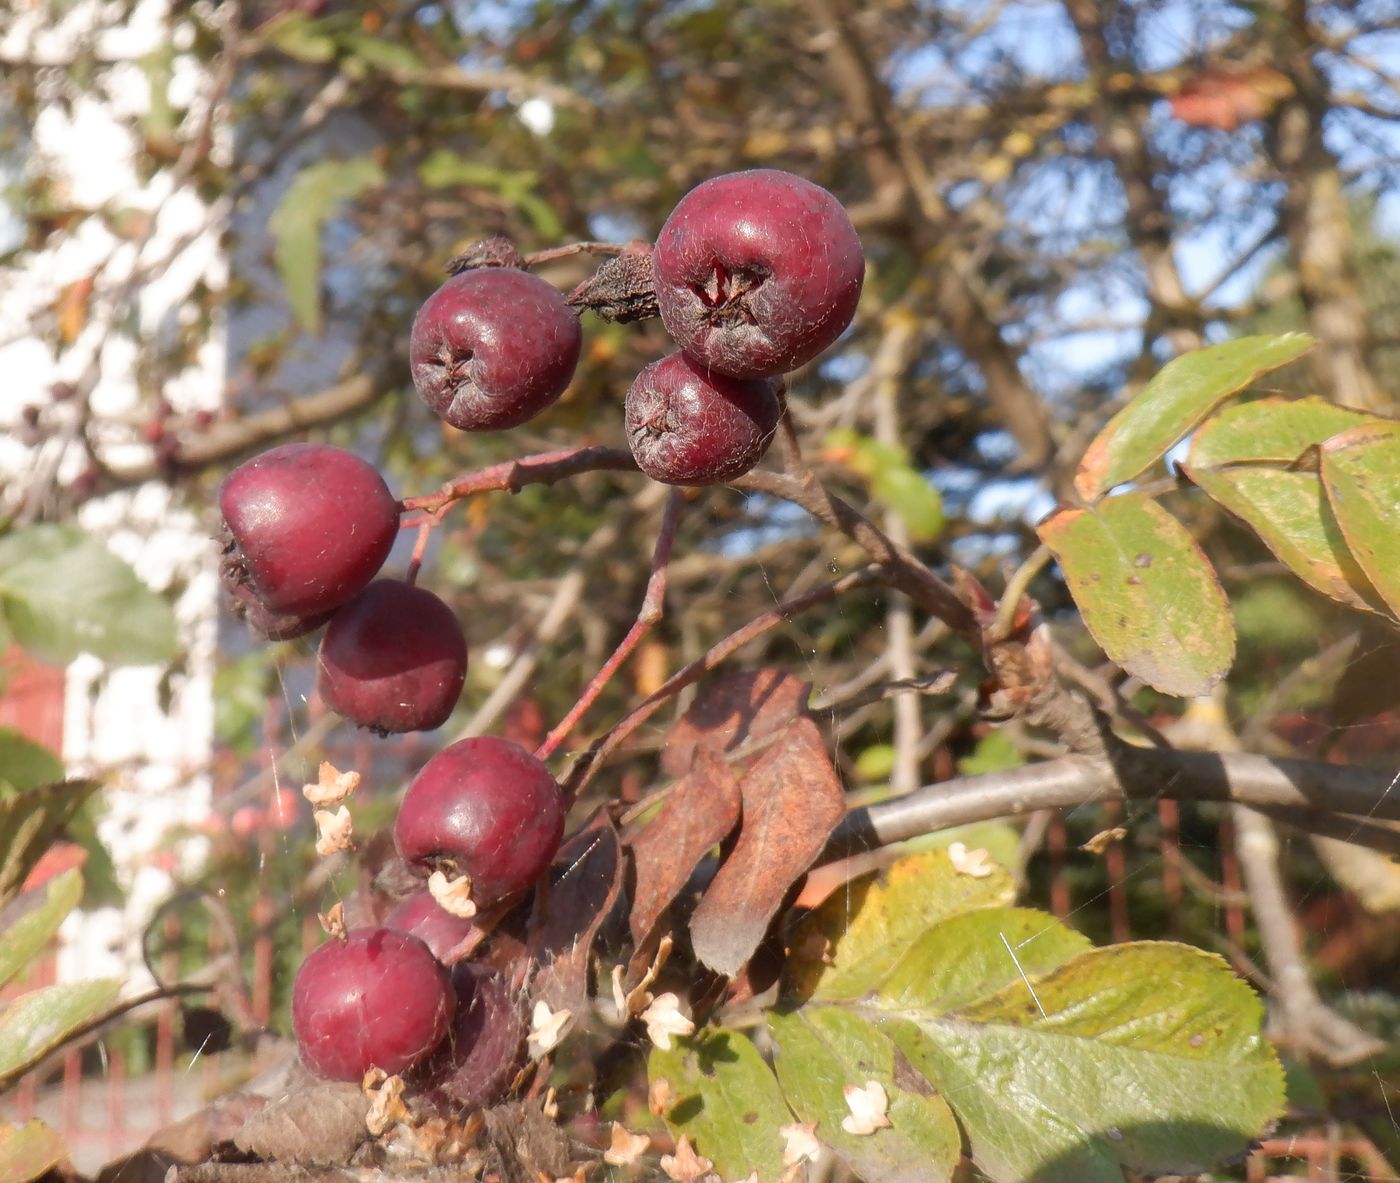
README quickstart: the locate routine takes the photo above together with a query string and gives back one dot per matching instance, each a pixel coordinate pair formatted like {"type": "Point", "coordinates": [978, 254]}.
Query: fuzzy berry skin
{"type": "Point", "coordinates": [486, 808]}
{"type": "Point", "coordinates": [686, 426]}
{"type": "Point", "coordinates": [484, 1049]}
{"type": "Point", "coordinates": [393, 659]}
{"type": "Point", "coordinates": [493, 347]}
{"type": "Point", "coordinates": [306, 527]}
{"type": "Point", "coordinates": [378, 999]}
{"type": "Point", "coordinates": [757, 272]}
{"type": "Point", "coordinates": [420, 916]}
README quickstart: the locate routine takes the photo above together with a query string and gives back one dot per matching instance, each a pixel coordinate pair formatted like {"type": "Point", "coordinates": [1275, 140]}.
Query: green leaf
{"type": "Point", "coordinates": [822, 1049]}
{"type": "Point", "coordinates": [1269, 429]}
{"type": "Point", "coordinates": [24, 763]}
{"type": "Point", "coordinates": [296, 227]}
{"type": "Point", "coordinates": [36, 1023]}
{"type": "Point", "coordinates": [28, 936]}
{"type": "Point", "coordinates": [64, 593]}
{"type": "Point", "coordinates": [1145, 1055]}
{"type": "Point", "coordinates": [28, 1151]}
{"type": "Point", "coordinates": [995, 752]}
{"type": "Point", "coordinates": [444, 168]}
{"type": "Point", "coordinates": [1147, 592]}
{"type": "Point", "coordinates": [857, 936]}
{"type": "Point", "coordinates": [1183, 393]}
{"type": "Point", "coordinates": [726, 1101]}
{"type": "Point", "coordinates": [1361, 473]}
{"type": "Point", "coordinates": [910, 497]}
{"type": "Point", "coordinates": [296, 35]}
{"type": "Point", "coordinates": [1288, 510]}
{"type": "Point", "coordinates": [29, 822]}
{"type": "Point", "coordinates": [875, 762]}
{"type": "Point", "coordinates": [391, 56]}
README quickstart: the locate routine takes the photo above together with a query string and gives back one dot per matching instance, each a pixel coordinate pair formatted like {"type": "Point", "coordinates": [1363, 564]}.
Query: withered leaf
{"type": "Point", "coordinates": [732, 711]}
{"type": "Point", "coordinates": [700, 811]}
{"type": "Point", "coordinates": [584, 884]}
{"type": "Point", "coordinates": [318, 1124]}
{"type": "Point", "coordinates": [792, 801]}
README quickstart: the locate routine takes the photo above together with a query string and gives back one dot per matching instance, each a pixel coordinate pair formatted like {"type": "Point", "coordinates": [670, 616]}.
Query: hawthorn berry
{"type": "Point", "coordinates": [493, 347]}
{"type": "Point", "coordinates": [378, 999]}
{"type": "Point", "coordinates": [687, 426]}
{"type": "Point", "coordinates": [393, 659]}
{"type": "Point", "coordinates": [484, 1048]}
{"type": "Point", "coordinates": [272, 626]}
{"type": "Point", "coordinates": [421, 916]}
{"type": "Point", "coordinates": [306, 527]}
{"type": "Point", "coordinates": [486, 808]}
{"type": "Point", "coordinates": [757, 272]}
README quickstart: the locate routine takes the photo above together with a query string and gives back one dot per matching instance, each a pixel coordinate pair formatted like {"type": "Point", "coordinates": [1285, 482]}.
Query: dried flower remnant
{"type": "Point", "coordinates": [868, 1104]}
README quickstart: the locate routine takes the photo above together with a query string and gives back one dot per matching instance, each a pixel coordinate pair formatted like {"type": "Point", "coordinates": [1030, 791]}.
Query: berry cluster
{"type": "Point", "coordinates": [753, 274]}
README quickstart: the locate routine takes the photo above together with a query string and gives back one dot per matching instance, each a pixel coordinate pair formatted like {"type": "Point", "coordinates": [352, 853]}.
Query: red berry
{"type": "Point", "coordinates": [308, 526]}
{"type": "Point", "coordinates": [272, 626]}
{"type": "Point", "coordinates": [485, 808]}
{"type": "Point", "coordinates": [493, 347]}
{"type": "Point", "coordinates": [482, 1052]}
{"type": "Point", "coordinates": [686, 426]}
{"type": "Point", "coordinates": [757, 272]}
{"type": "Point", "coordinates": [378, 999]}
{"type": "Point", "coordinates": [393, 659]}
{"type": "Point", "coordinates": [420, 916]}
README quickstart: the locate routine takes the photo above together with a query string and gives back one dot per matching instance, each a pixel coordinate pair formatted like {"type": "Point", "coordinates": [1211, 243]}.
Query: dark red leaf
{"type": "Point", "coordinates": [792, 801]}
{"type": "Point", "coordinates": [584, 885]}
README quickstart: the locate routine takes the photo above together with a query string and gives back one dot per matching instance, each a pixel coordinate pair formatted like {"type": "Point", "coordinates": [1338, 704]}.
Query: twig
{"type": "Point", "coordinates": [1016, 588]}
{"type": "Point", "coordinates": [647, 616]}
{"type": "Point", "coordinates": [543, 468]}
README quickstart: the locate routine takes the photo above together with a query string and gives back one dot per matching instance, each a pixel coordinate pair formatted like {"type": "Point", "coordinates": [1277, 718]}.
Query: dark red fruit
{"type": "Point", "coordinates": [420, 916]}
{"type": "Point", "coordinates": [493, 347]}
{"type": "Point", "coordinates": [379, 999]}
{"type": "Point", "coordinates": [393, 659]}
{"type": "Point", "coordinates": [272, 626]}
{"type": "Point", "coordinates": [307, 526]}
{"type": "Point", "coordinates": [757, 272]}
{"type": "Point", "coordinates": [486, 808]}
{"type": "Point", "coordinates": [689, 427]}
{"type": "Point", "coordinates": [483, 1051]}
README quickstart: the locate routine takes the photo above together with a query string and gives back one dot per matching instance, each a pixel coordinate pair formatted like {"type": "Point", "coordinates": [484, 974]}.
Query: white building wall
{"type": "Point", "coordinates": [151, 745]}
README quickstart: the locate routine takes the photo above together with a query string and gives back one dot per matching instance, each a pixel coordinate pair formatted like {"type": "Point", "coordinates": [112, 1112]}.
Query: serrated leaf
{"type": "Point", "coordinates": [24, 763]}
{"type": "Point", "coordinates": [726, 1100]}
{"type": "Point", "coordinates": [28, 936]}
{"type": "Point", "coordinates": [1146, 591]}
{"type": "Point", "coordinates": [1288, 510]}
{"type": "Point", "coordinates": [910, 497]}
{"type": "Point", "coordinates": [1100, 1065]}
{"type": "Point", "coordinates": [63, 593]}
{"type": "Point", "coordinates": [36, 1023]}
{"type": "Point", "coordinates": [29, 822]}
{"type": "Point", "coordinates": [822, 1049]}
{"type": "Point", "coordinates": [1361, 473]}
{"type": "Point", "coordinates": [28, 1151]}
{"type": "Point", "coordinates": [296, 227]}
{"type": "Point", "coordinates": [1182, 394]}
{"type": "Point", "coordinates": [1269, 429]}
{"type": "Point", "coordinates": [860, 933]}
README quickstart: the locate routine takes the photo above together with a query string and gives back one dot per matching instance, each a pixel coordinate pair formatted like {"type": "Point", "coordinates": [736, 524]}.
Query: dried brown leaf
{"type": "Point", "coordinates": [732, 711]}
{"type": "Point", "coordinates": [700, 811]}
{"type": "Point", "coordinates": [793, 799]}
{"type": "Point", "coordinates": [320, 1124]}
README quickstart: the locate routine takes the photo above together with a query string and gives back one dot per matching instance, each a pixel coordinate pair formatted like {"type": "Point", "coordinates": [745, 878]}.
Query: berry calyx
{"type": "Point", "coordinates": [493, 347]}
{"type": "Point", "coordinates": [484, 808]}
{"type": "Point", "coordinates": [484, 1049]}
{"type": "Point", "coordinates": [393, 659]}
{"type": "Point", "coordinates": [689, 426]}
{"type": "Point", "coordinates": [378, 999]}
{"type": "Point", "coordinates": [306, 527]}
{"type": "Point", "coordinates": [421, 916]}
{"type": "Point", "coordinates": [757, 272]}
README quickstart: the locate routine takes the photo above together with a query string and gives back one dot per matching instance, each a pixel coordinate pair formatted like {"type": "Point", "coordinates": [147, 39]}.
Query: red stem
{"type": "Point", "coordinates": [543, 468]}
{"type": "Point", "coordinates": [647, 616]}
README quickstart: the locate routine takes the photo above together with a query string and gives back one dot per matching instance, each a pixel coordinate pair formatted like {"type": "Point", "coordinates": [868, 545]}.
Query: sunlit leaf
{"type": "Point", "coordinates": [36, 1023]}
{"type": "Point", "coordinates": [1272, 429]}
{"type": "Point", "coordinates": [1361, 473]}
{"type": "Point", "coordinates": [29, 821]}
{"type": "Point", "coordinates": [1182, 394]}
{"type": "Point", "coordinates": [1147, 593]}
{"type": "Point", "coordinates": [24, 763]}
{"type": "Point", "coordinates": [28, 1151]}
{"type": "Point", "coordinates": [28, 936]}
